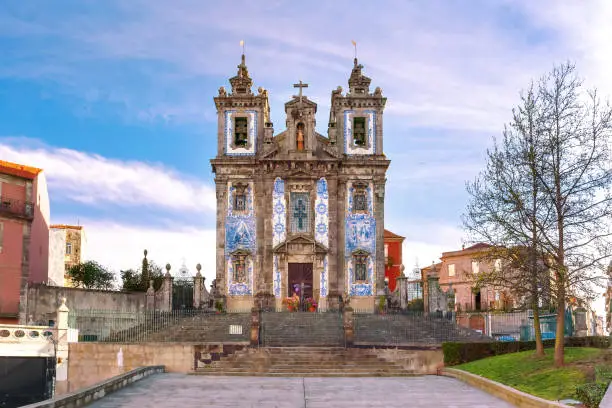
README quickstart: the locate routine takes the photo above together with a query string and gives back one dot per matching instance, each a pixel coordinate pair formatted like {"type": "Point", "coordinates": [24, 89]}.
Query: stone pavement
{"type": "Point", "coordinates": [185, 391]}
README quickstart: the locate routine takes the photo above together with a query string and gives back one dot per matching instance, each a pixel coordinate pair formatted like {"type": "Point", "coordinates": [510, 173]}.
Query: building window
{"type": "Point", "coordinates": [360, 201]}
{"type": "Point", "coordinates": [360, 198]}
{"type": "Point", "coordinates": [361, 267]}
{"type": "Point", "coordinates": [386, 250]}
{"type": "Point", "coordinates": [498, 265]}
{"type": "Point", "coordinates": [359, 131]}
{"type": "Point", "coordinates": [240, 202]}
{"type": "Point", "coordinates": [240, 131]}
{"type": "Point", "coordinates": [451, 270]}
{"type": "Point", "coordinates": [239, 265]}
{"type": "Point", "coordinates": [475, 267]}
{"type": "Point", "coordinates": [68, 248]}
{"type": "Point", "coordinates": [300, 212]}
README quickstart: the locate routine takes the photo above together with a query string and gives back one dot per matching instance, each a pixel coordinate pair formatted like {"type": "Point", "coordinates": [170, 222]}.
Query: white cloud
{"type": "Point", "coordinates": [121, 247]}
{"type": "Point", "coordinates": [453, 68]}
{"type": "Point", "coordinates": [93, 179]}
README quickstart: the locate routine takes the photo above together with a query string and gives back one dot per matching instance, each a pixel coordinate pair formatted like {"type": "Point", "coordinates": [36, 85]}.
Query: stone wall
{"type": "Point", "coordinates": [90, 363]}
{"type": "Point", "coordinates": [43, 301]}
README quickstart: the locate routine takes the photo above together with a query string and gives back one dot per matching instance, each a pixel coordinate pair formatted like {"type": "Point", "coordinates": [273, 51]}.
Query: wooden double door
{"type": "Point", "coordinates": [300, 280]}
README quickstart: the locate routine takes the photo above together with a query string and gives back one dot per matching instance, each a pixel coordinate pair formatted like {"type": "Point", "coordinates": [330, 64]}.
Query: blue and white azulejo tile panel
{"type": "Point", "coordinates": [240, 235]}
{"type": "Point", "coordinates": [349, 147]}
{"type": "Point", "coordinates": [360, 234]}
{"type": "Point", "coordinates": [279, 213]}
{"type": "Point", "coordinates": [240, 288]}
{"type": "Point", "coordinates": [324, 278]}
{"type": "Point", "coordinates": [228, 131]}
{"type": "Point", "coordinates": [277, 278]}
{"type": "Point", "coordinates": [322, 214]}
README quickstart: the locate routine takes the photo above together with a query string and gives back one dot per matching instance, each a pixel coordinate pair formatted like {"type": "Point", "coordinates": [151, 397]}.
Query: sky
{"type": "Point", "coordinates": [114, 100]}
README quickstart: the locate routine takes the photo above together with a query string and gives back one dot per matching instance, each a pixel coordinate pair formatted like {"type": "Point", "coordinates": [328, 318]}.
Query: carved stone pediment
{"type": "Point", "coordinates": [302, 244]}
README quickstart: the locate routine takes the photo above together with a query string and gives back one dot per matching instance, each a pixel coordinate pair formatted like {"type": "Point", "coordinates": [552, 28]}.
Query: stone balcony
{"type": "Point", "coordinates": [16, 208]}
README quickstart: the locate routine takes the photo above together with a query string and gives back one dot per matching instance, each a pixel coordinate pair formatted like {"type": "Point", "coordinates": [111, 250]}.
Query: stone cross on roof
{"type": "Point", "coordinates": [300, 85]}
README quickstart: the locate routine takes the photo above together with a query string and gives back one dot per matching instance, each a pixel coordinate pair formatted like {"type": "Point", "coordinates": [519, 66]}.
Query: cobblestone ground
{"type": "Point", "coordinates": [184, 391]}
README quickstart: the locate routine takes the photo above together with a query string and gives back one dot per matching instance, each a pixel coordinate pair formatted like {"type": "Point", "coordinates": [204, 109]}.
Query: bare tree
{"type": "Point", "coordinates": [507, 208]}
{"type": "Point", "coordinates": [547, 188]}
{"type": "Point", "coordinates": [576, 179]}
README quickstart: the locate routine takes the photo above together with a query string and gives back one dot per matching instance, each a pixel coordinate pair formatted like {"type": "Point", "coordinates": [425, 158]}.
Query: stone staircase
{"type": "Point", "coordinates": [206, 327]}
{"type": "Point", "coordinates": [418, 328]}
{"type": "Point", "coordinates": [302, 329]}
{"type": "Point", "coordinates": [305, 362]}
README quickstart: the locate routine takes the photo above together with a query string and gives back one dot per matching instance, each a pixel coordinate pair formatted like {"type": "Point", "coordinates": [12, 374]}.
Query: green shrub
{"type": "Point", "coordinates": [591, 394]}
{"type": "Point", "coordinates": [458, 353]}
{"type": "Point", "coordinates": [588, 341]}
{"type": "Point", "coordinates": [604, 373]}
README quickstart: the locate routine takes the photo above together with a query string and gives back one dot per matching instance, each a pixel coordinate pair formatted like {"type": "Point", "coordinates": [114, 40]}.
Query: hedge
{"type": "Point", "coordinates": [458, 353]}
{"type": "Point", "coordinates": [591, 394]}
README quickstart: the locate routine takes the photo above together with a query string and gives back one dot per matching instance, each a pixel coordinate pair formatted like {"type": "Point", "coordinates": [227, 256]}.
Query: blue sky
{"type": "Point", "coordinates": [114, 101]}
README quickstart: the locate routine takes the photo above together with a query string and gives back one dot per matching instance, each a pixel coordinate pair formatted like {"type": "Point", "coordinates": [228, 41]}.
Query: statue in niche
{"type": "Point", "coordinates": [300, 137]}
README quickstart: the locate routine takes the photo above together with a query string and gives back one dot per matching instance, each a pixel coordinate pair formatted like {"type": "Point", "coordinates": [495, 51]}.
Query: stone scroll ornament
{"type": "Point", "coordinates": [279, 212]}
{"type": "Point", "coordinates": [322, 214]}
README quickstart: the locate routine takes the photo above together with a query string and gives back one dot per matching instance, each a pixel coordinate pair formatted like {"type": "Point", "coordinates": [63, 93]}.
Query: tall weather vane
{"type": "Point", "coordinates": [242, 45]}
{"type": "Point", "coordinates": [355, 47]}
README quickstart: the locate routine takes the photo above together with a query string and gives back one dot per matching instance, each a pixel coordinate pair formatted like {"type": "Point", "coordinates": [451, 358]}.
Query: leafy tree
{"type": "Point", "coordinates": [138, 280]}
{"type": "Point", "coordinates": [91, 275]}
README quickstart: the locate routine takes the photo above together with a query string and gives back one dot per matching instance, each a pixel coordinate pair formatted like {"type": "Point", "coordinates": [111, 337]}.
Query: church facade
{"type": "Point", "coordinates": [299, 211]}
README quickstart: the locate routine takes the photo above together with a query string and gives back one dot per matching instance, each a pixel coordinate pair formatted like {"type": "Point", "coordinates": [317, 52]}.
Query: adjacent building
{"type": "Point", "coordinates": [24, 236]}
{"type": "Point", "coordinates": [393, 258]}
{"type": "Point", "coordinates": [454, 279]}
{"type": "Point", "coordinates": [300, 211]}
{"type": "Point", "coordinates": [67, 247]}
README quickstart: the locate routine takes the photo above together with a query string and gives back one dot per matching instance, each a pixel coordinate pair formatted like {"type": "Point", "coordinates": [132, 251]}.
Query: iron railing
{"type": "Point", "coordinates": [187, 326]}
{"type": "Point", "coordinates": [321, 328]}
{"type": "Point", "coordinates": [13, 206]}
{"type": "Point", "coordinates": [411, 328]}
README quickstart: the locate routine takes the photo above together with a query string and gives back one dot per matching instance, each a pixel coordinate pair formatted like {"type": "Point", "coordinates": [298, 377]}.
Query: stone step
{"type": "Point", "coordinates": [299, 374]}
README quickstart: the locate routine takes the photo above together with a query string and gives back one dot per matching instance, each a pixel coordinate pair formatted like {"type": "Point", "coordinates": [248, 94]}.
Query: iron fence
{"type": "Point", "coordinates": [411, 328]}
{"type": "Point", "coordinates": [321, 328]}
{"type": "Point", "coordinates": [192, 326]}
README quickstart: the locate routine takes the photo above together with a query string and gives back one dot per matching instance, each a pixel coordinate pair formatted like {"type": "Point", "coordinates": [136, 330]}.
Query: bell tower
{"type": "Point", "coordinates": [242, 116]}
{"type": "Point", "coordinates": [300, 137]}
{"type": "Point", "coordinates": [356, 118]}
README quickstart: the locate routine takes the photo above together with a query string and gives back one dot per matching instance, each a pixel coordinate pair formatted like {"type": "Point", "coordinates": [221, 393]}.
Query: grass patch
{"type": "Point", "coordinates": [537, 375]}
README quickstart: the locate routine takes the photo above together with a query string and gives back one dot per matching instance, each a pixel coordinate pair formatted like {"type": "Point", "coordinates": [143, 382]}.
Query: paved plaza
{"type": "Point", "coordinates": [184, 391]}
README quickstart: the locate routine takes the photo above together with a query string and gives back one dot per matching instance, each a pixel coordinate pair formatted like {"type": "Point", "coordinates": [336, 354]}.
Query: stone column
{"type": "Point", "coordinates": [349, 324]}
{"type": "Point", "coordinates": [61, 353]}
{"type": "Point", "coordinates": [198, 283]}
{"type": "Point", "coordinates": [402, 286]}
{"type": "Point", "coordinates": [255, 326]}
{"type": "Point", "coordinates": [167, 291]}
{"type": "Point", "coordinates": [151, 296]}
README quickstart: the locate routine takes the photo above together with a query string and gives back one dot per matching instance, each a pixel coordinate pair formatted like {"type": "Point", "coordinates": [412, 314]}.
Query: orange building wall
{"type": "Point", "coordinates": [10, 265]}
{"type": "Point", "coordinates": [39, 232]}
{"type": "Point", "coordinates": [21, 185]}
{"type": "Point", "coordinates": [393, 272]}
{"type": "Point", "coordinates": [393, 257]}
